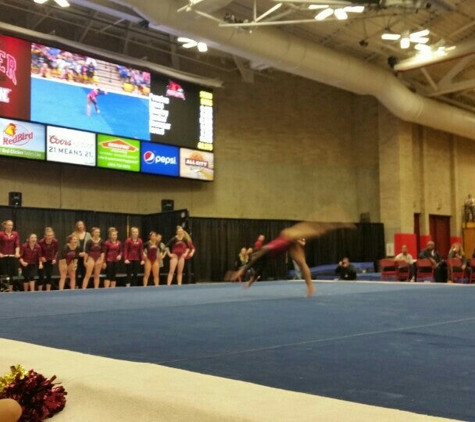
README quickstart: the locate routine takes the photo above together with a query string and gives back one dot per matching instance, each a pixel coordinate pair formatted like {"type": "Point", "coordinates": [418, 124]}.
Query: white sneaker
{"type": "Point", "coordinates": [413, 280]}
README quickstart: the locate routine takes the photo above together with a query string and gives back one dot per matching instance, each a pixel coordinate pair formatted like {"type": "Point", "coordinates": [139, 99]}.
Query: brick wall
{"type": "Point", "coordinates": [286, 148]}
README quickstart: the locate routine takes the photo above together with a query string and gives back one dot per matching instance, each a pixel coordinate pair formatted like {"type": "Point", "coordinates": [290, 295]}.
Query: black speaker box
{"type": "Point", "coordinates": [168, 205]}
{"type": "Point", "coordinates": [365, 217]}
{"type": "Point", "coordinates": [14, 199]}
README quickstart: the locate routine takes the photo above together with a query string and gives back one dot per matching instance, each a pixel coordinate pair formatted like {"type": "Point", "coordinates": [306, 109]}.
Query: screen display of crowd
{"type": "Point", "coordinates": [66, 107]}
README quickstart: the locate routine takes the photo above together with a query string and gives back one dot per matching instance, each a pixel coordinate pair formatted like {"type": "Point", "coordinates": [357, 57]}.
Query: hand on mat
{"type": "Point", "coordinates": [236, 275]}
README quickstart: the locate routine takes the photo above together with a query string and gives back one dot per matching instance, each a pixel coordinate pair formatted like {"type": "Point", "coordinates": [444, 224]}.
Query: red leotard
{"type": "Point", "coordinates": [151, 250]}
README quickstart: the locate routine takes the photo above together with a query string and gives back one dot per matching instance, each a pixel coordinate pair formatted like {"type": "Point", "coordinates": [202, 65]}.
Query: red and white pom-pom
{"type": "Point", "coordinates": [37, 395]}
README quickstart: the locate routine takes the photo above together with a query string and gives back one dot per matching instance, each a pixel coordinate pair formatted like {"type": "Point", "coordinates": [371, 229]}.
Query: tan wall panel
{"type": "Point", "coordinates": [437, 156]}
{"type": "Point", "coordinates": [283, 150]}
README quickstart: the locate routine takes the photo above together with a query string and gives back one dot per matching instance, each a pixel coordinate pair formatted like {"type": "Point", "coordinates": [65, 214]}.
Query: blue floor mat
{"type": "Point", "coordinates": [406, 346]}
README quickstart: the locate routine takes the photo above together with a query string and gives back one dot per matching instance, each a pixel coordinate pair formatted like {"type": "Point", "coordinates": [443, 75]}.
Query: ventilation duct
{"type": "Point", "coordinates": [291, 54]}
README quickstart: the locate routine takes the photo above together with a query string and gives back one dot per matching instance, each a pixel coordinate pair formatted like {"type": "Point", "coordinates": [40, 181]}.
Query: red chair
{"type": "Point", "coordinates": [387, 268]}
{"type": "Point", "coordinates": [403, 270]}
{"type": "Point", "coordinates": [424, 269]}
{"type": "Point", "coordinates": [471, 271]}
{"type": "Point", "coordinates": [454, 270]}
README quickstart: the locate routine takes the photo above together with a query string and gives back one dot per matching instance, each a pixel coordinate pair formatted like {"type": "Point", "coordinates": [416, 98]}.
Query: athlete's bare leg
{"type": "Point", "coordinates": [250, 282]}
{"type": "Point", "coordinates": [312, 229]}
{"type": "Point", "coordinates": [297, 253]}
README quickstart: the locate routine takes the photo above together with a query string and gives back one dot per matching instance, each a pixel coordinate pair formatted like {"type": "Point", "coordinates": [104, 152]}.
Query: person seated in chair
{"type": "Point", "coordinates": [456, 251]}
{"type": "Point", "coordinates": [407, 257]}
{"type": "Point", "coordinates": [440, 268]}
{"type": "Point", "coordinates": [345, 270]}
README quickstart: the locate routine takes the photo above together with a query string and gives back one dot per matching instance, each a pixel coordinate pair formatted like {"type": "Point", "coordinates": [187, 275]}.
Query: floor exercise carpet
{"type": "Point", "coordinates": [400, 346]}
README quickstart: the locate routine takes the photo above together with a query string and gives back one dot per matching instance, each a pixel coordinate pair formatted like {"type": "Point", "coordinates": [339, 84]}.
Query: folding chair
{"type": "Point", "coordinates": [388, 268]}
{"type": "Point", "coordinates": [471, 272]}
{"type": "Point", "coordinates": [454, 270]}
{"type": "Point", "coordinates": [424, 269]}
{"type": "Point", "coordinates": [403, 270]}
{"type": "Point", "coordinates": [3, 284]}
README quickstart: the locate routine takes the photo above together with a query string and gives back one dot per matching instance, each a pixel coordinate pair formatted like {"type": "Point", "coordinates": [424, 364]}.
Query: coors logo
{"type": "Point", "coordinates": [53, 139]}
{"type": "Point", "coordinates": [16, 135]}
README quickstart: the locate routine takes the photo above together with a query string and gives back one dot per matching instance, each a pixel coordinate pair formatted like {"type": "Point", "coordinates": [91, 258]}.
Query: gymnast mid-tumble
{"type": "Point", "coordinates": [288, 240]}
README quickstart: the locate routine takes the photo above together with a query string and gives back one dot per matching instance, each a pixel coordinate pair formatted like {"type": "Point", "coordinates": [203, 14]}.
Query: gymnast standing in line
{"type": "Point", "coordinates": [152, 255]}
{"type": "Point", "coordinates": [94, 258]}
{"type": "Point", "coordinates": [162, 254]}
{"type": "Point", "coordinates": [191, 253]}
{"type": "Point", "coordinates": [133, 256]}
{"type": "Point", "coordinates": [112, 257]}
{"type": "Point", "coordinates": [288, 240]}
{"type": "Point", "coordinates": [177, 249]}
{"type": "Point", "coordinates": [83, 236]}
{"type": "Point", "coordinates": [49, 256]}
{"type": "Point", "coordinates": [9, 252]}
{"type": "Point", "coordinates": [30, 260]}
{"type": "Point", "coordinates": [68, 260]}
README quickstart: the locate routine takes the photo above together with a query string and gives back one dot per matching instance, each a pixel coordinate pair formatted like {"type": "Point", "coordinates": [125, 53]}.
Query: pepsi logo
{"type": "Point", "coordinates": [149, 157]}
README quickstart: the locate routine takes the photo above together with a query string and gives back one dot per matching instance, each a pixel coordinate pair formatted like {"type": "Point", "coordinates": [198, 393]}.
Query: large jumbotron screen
{"type": "Point", "coordinates": [61, 106]}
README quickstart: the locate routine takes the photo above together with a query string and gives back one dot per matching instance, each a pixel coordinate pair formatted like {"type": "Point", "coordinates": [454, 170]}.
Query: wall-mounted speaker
{"type": "Point", "coordinates": [365, 217]}
{"type": "Point", "coordinates": [168, 205]}
{"type": "Point", "coordinates": [14, 199]}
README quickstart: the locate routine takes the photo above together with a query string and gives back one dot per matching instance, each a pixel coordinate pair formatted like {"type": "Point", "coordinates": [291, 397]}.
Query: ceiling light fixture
{"type": "Point", "coordinates": [390, 37]}
{"type": "Point", "coordinates": [189, 43]}
{"type": "Point", "coordinates": [325, 13]}
{"type": "Point", "coordinates": [62, 3]}
{"type": "Point", "coordinates": [202, 47]}
{"type": "Point", "coordinates": [406, 38]}
{"type": "Point", "coordinates": [341, 13]}
{"type": "Point", "coordinates": [317, 6]}
{"type": "Point", "coordinates": [423, 48]}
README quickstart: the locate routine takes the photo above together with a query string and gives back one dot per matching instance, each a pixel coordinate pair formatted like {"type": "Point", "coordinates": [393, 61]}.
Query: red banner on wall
{"type": "Point", "coordinates": [408, 239]}
{"type": "Point", "coordinates": [15, 78]}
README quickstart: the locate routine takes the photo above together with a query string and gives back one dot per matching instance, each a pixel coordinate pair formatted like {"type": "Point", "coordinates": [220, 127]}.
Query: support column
{"type": "Point", "coordinates": [395, 178]}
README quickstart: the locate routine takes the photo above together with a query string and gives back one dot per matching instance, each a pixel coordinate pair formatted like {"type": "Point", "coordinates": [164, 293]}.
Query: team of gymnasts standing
{"type": "Point", "coordinates": [85, 254]}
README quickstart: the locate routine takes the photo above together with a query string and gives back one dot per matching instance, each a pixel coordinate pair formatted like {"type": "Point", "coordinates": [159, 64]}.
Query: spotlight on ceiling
{"type": "Point", "coordinates": [325, 13]}
{"type": "Point", "coordinates": [62, 3]}
{"type": "Point", "coordinates": [189, 43]}
{"type": "Point", "coordinates": [340, 13]}
{"type": "Point", "coordinates": [406, 37]}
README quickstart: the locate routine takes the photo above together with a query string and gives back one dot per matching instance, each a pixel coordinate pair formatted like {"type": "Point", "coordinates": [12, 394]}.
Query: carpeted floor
{"type": "Point", "coordinates": [394, 345]}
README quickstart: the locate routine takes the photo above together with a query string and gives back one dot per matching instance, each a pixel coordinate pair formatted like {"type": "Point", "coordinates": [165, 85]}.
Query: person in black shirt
{"type": "Point", "coordinates": [345, 270]}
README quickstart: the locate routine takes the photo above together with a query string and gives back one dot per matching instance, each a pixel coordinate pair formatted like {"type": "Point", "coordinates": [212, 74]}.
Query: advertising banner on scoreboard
{"type": "Point", "coordinates": [196, 164]}
{"type": "Point", "coordinates": [22, 139]}
{"type": "Point", "coordinates": [118, 153]}
{"type": "Point", "coordinates": [70, 146]}
{"type": "Point", "coordinates": [160, 159]}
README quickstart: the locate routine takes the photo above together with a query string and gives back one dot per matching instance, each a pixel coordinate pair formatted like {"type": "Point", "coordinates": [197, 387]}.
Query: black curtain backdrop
{"type": "Point", "coordinates": [164, 223]}
{"type": "Point", "coordinates": [217, 240]}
